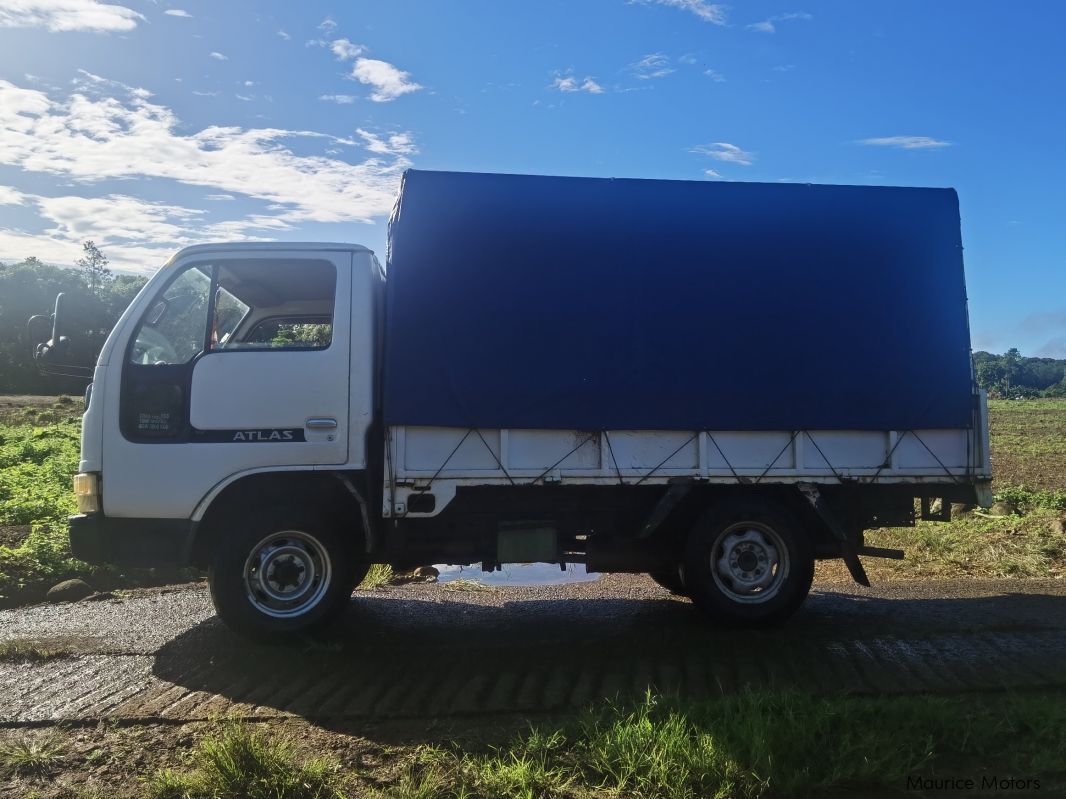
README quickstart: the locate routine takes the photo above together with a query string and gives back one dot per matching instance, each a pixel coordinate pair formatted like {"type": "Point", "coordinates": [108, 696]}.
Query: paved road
{"type": "Point", "coordinates": [426, 651]}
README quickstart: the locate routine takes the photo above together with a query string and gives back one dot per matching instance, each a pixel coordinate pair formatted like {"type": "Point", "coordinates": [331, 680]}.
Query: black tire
{"type": "Point", "coordinates": [732, 537]}
{"type": "Point", "coordinates": [670, 579]}
{"type": "Point", "coordinates": [300, 553]}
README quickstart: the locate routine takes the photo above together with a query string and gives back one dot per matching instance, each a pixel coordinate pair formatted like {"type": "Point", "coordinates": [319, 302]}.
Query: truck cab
{"type": "Point", "coordinates": [234, 364]}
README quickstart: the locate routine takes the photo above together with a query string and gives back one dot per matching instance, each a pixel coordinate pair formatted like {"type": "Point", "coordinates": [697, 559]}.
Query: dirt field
{"type": "Point", "coordinates": [1028, 443]}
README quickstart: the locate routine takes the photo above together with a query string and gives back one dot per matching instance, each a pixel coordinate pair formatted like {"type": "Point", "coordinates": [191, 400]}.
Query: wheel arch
{"type": "Point", "coordinates": [339, 494]}
{"type": "Point", "coordinates": [783, 498]}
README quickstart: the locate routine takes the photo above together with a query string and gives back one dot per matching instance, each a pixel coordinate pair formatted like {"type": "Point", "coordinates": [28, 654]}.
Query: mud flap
{"type": "Point", "coordinates": [677, 491]}
{"type": "Point", "coordinates": [847, 546]}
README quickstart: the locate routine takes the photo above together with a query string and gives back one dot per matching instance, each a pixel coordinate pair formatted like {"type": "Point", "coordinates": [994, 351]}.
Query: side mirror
{"type": "Point", "coordinates": [39, 329]}
{"type": "Point", "coordinates": [52, 355]}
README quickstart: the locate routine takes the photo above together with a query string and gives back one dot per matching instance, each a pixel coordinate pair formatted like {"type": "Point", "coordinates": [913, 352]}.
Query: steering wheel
{"type": "Point", "coordinates": [152, 348]}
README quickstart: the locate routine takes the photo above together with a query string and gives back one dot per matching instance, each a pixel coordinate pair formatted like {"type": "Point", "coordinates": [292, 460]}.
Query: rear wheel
{"type": "Point", "coordinates": [670, 579]}
{"type": "Point", "coordinates": [748, 563]}
{"type": "Point", "coordinates": [282, 571]}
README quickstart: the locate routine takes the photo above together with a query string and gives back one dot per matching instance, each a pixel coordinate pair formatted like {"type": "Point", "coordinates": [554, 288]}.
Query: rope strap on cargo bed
{"type": "Point", "coordinates": [495, 457]}
{"type": "Point", "coordinates": [836, 474]}
{"type": "Point", "coordinates": [614, 460]}
{"type": "Point", "coordinates": [658, 466]}
{"type": "Point", "coordinates": [546, 472]}
{"type": "Point", "coordinates": [740, 480]}
{"type": "Point", "coordinates": [727, 463]}
{"type": "Point", "coordinates": [784, 449]}
{"type": "Point", "coordinates": [951, 474]}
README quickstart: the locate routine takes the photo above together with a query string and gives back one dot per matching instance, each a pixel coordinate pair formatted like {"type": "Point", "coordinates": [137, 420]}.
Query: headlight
{"type": "Point", "coordinates": [87, 492]}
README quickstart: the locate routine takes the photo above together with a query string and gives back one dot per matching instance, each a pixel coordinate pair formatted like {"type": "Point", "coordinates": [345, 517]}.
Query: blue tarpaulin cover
{"type": "Point", "coordinates": [585, 303]}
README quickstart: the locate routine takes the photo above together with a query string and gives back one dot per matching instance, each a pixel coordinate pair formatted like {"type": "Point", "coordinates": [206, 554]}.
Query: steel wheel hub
{"type": "Point", "coordinates": [749, 562]}
{"type": "Point", "coordinates": [287, 574]}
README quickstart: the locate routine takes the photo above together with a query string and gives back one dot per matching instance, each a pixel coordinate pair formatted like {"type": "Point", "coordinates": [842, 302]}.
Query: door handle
{"type": "Point", "coordinates": [321, 423]}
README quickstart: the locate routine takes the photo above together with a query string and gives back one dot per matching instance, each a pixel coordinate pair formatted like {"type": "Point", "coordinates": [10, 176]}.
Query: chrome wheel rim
{"type": "Point", "coordinates": [287, 574]}
{"type": "Point", "coordinates": [749, 562]}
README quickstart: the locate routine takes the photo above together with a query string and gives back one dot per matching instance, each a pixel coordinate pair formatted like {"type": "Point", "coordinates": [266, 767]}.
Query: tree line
{"type": "Point", "coordinates": [97, 298]}
{"type": "Point", "coordinates": [1012, 375]}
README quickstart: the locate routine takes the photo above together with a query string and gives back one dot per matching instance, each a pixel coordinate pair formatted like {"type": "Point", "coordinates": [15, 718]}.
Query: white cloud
{"type": "Point", "coordinates": [387, 81]}
{"type": "Point", "coordinates": [327, 25]}
{"type": "Point", "coordinates": [177, 12]}
{"type": "Point", "coordinates": [135, 234]}
{"type": "Point", "coordinates": [68, 15]}
{"type": "Point", "coordinates": [244, 97]}
{"type": "Point", "coordinates": [19, 105]}
{"type": "Point", "coordinates": [11, 196]}
{"type": "Point", "coordinates": [653, 65]}
{"type": "Point", "coordinates": [724, 151]}
{"type": "Point", "coordinates": [206, 94]}
{"type": "Point", "coordinates": [219, 197]}
{"type": "Point", "coordinates": [284, 35]}
{"type": "Point", "coordinates": [113, 217]}
{"type": "Point", "coordinates": [907, 142]}
{"type": "Point", "coordinates": [85, 139]}
{"type": "Point", "coordinates": [709, 12]}
{"type": "Point", "coordinates": [345, 50]}
{"type": "Point", "coordinates": [218, 56]}
{"type": "Point", "coordinates": [97, 85]}
{"type": "Point", "coordinates": [339, 99]}
{"type": "Point", "coordinates": [711, 173]}
{"type": "Point", "coordinates": [568, 83]}
{"type": "Point", "coordinates": [769, 26]}
{"type": "Point", "coordinates": [393, 144]}
{"type": "Point", "coordinates": [714, 75]}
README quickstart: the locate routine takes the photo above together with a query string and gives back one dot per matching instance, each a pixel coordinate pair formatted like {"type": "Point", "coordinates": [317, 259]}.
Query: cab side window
{"type": "Point", "coordinates": [274, 306]}
{"type": "Point", "coordinates": [172, 331]}
{"type": "Point", "coordinates": [303, 333]}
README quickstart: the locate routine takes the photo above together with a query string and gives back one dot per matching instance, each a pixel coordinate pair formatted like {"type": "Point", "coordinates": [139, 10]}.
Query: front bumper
{"type": "Point", "coordinates": [96, 538]}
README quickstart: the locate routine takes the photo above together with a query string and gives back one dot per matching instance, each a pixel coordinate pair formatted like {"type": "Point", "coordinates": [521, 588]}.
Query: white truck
{"type": "Point", "coordinates": [713, 383]}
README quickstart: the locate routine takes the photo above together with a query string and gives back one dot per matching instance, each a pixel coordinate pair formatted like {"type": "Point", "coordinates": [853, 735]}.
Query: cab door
{"type": "Point", "coordinates": [241, 362]}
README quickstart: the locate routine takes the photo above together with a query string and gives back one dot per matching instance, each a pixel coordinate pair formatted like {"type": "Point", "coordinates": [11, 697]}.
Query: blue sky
{"type": "Point", "coordinates": [148, 126]}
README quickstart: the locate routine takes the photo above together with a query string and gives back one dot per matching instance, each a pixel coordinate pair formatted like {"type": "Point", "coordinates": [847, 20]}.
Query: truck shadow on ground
{"type": "Point", "coordinates": [393, 656]}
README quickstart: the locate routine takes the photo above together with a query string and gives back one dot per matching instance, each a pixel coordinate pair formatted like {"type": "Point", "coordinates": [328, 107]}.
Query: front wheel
{"type": "Point", "coordinates": [280, 572]}
{"type": "Point", "coordinates": [748, 564]}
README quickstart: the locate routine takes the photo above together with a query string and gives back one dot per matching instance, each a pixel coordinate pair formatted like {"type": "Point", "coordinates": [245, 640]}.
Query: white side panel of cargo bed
{"type": "Point", "coordinates": [447, 458]}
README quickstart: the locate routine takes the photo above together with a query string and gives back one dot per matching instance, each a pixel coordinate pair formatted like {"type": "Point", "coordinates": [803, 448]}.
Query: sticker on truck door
{"type": "Point", "coordinates": [269, 435]}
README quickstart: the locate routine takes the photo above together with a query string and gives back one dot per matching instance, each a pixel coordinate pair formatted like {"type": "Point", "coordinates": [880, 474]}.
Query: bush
{"type": "Point", "coordinates": [1025, 499]}
{"type": "Point", "coordinates": [36, 466]}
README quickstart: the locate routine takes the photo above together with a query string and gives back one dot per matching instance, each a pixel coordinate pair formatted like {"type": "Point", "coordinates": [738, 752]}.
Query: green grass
{"type": "Point", "coordinates": [1027, 499]}
{"type": "Point", "coordinates": [754, 745]}
{"type": "Point", "coordinates": [19, 650]}
{"type": "Point", "coordinates": [32, 756]}
{"type": "Point", "coordinates": [239, 763]}
{"type": "Point", "coordinates": [378, 576]}
{"type": "Point", "coordinates": [36, 467]}
{"type": "Point", "coordinates": [1029, 545]}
